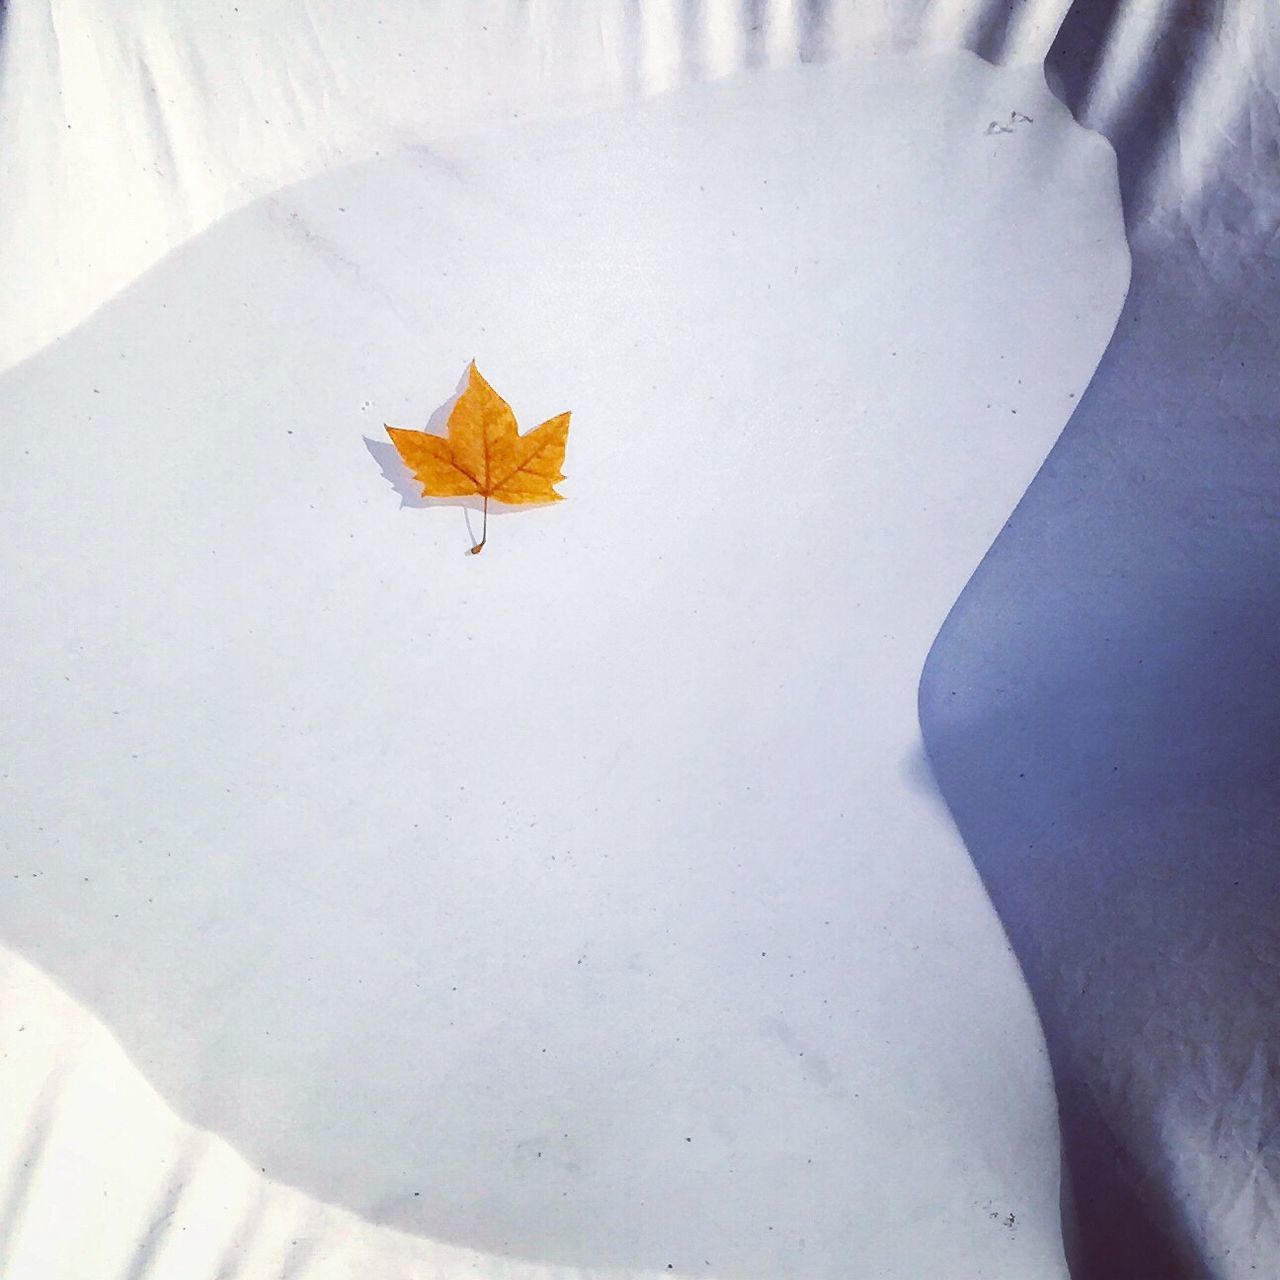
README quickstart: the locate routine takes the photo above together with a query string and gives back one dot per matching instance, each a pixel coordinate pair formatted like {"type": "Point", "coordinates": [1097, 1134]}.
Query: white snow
{"type": "Point", "coordinates": [586, 902]}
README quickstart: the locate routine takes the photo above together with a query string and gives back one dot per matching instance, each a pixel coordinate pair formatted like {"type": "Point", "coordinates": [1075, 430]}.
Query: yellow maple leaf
{"type": "Point", "coordinates": [484, 455]}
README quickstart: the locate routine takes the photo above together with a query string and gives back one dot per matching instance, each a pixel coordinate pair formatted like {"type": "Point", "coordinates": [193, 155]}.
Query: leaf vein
{"type": "Point", "coordinates": [523, 467]}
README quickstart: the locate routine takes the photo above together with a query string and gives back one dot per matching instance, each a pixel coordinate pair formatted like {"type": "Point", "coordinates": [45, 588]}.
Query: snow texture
{"type": "Point", "coordinates": [588, 907]}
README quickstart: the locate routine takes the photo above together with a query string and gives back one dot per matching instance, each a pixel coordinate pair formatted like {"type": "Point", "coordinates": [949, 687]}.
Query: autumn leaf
{"type": "Point", "coordinates": [484, 455]}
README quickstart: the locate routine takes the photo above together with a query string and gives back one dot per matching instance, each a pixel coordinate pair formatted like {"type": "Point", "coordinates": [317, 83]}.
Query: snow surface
{"type": "Point", "coordinates": [586, 902]}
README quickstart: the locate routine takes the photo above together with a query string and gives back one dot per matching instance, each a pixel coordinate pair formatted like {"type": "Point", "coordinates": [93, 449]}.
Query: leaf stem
{"type": "Point", "coordinates": [484, 529]}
